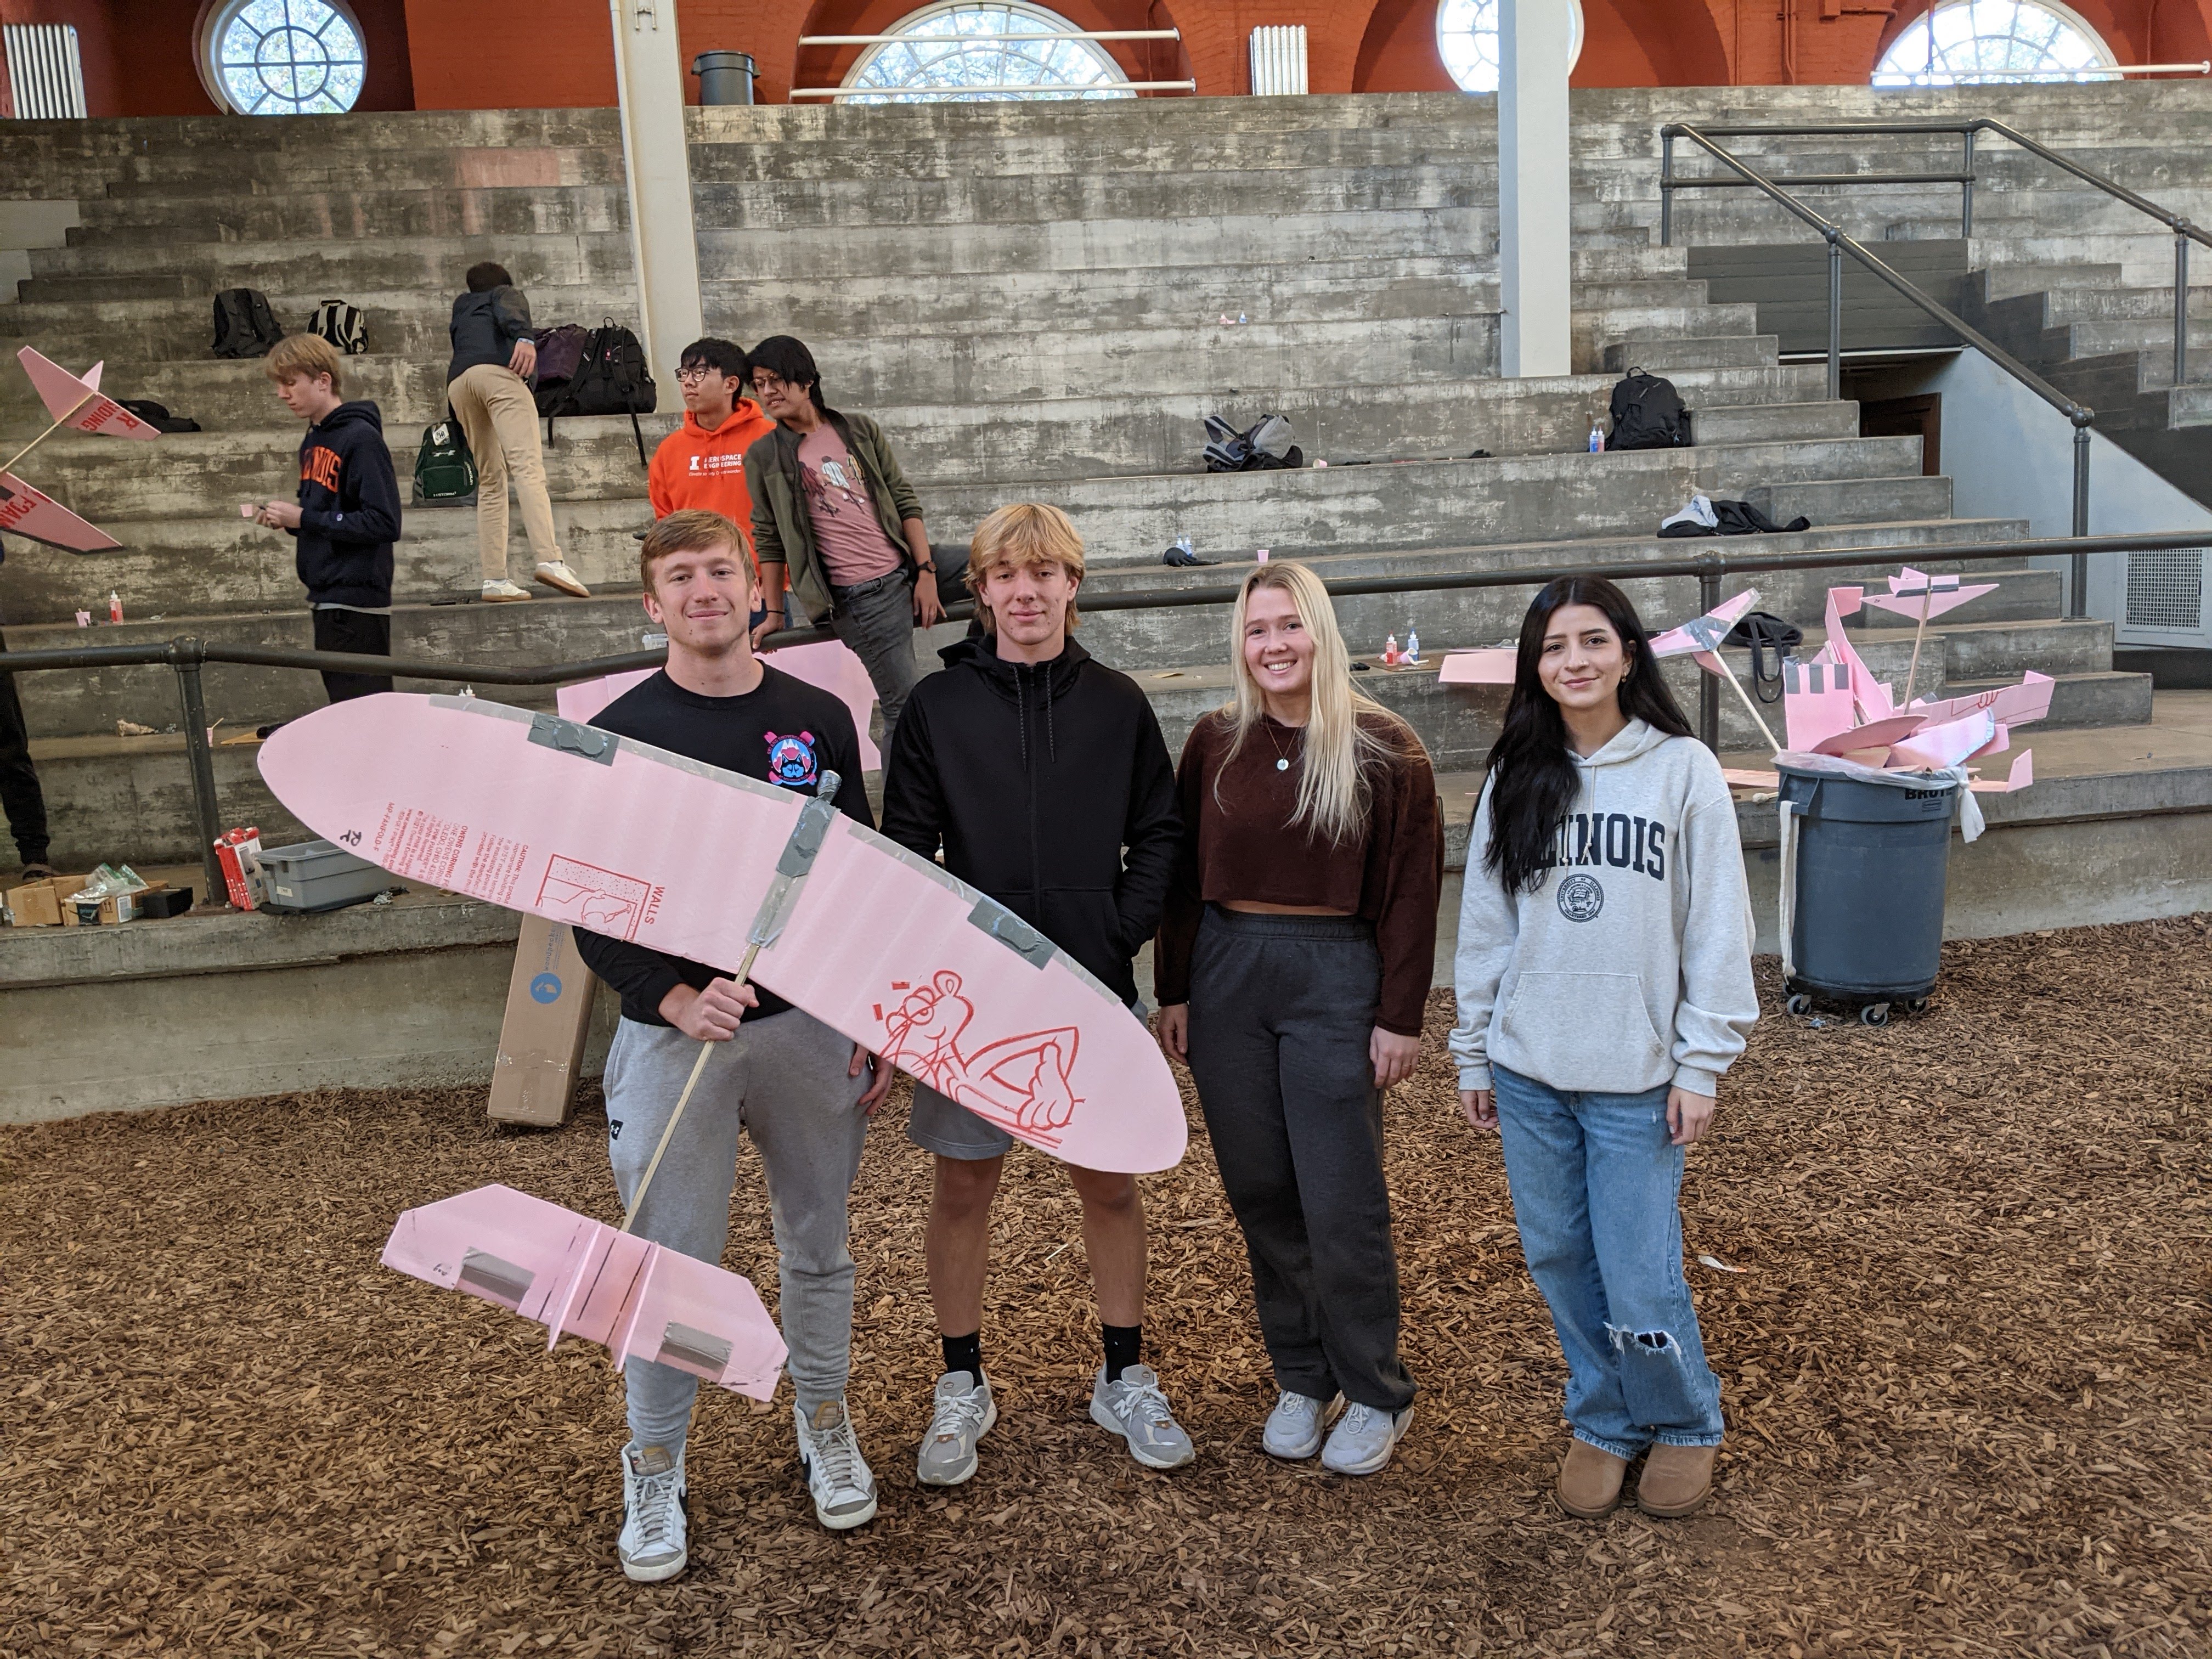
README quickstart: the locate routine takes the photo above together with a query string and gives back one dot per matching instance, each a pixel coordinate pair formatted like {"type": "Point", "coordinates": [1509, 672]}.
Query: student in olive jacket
{"type": "Point", "coordinates": [835, 520]}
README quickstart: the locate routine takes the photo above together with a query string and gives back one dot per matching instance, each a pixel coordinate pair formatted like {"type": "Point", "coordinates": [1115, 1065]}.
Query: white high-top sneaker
{"type": "Point", "coordinates": [652, 1544]}
{"type": "Point", "coordinates": [838, 1478]}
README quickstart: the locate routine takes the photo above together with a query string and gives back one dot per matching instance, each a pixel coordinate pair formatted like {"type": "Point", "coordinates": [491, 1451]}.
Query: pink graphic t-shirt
{"type": "Point", "coordinates": [854, 547]}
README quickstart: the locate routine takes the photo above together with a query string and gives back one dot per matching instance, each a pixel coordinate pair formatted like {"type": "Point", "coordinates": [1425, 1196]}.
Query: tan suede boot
{"type": "Point", "coordinates": [1589, 1480]}
{"type": "Point", "coordinates": [1676, 1480]}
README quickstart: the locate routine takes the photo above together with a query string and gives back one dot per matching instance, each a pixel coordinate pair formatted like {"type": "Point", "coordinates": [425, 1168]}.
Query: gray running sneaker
{"type": "Point", "coordinates": [1294, 1427]}
{"type": "Point", "coordinates": [1135, 1409]}
{"type": "Point", "coordinates": [652, 1546]}
{"type": "Point", "coordinates": [838, 1478]}
{"type": "Point", "coordinates": [1362, 1440]}
{"type": "Point", "coordinates": [964, 1415]}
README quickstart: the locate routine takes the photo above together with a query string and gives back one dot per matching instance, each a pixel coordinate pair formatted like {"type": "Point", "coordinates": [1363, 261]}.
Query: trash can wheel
{"type": "Point", "coordinates": [1797, 1004]}
{"type": "Point", "coordinates": [1915, 1005]}
{"type": "Point", "coordinates": [1875, 1014]}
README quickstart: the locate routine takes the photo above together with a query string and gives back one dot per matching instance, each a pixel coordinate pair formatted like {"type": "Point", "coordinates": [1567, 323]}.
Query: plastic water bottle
{"type": "Point", "coordinates": [1596, 438]}
{"type": "Point", "coordinates": [1183, 546]}
{"type": "Point", "coordinates": [1390, 650]}
{"type": "Point", "coordinates": [1413, 644]}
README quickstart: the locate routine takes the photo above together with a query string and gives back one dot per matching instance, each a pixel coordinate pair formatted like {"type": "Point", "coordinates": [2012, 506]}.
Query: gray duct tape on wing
{"type": "Point", "coordinates": [791, 869]}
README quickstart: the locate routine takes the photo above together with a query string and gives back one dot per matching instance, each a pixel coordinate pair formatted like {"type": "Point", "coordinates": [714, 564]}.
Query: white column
{"type": "Point", "coordinates": [664, 241]}
{"type": "Point", "coordinates": [1536, 274]}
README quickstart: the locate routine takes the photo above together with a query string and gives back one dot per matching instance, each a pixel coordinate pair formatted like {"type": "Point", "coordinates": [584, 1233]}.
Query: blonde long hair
{"type": "Point", "coordinates": [1335, 747]}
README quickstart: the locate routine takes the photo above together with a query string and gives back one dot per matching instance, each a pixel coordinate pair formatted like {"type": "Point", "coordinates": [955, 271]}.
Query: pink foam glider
{"type": "Point", "coordinates": [1917, 594]}
{"type": "Point", "coordinates": [1701, 636]}
{"type": "Point", "coordinates": [1490, 666]}
{"type": "Point", "coordinates": [78, 402]}
{"type": "Point", "coordinates": [33, 513]}
{"type": "Point", "coordinates": [573, 824]}
{"type": "Point", "coordinates": [578, 1277]}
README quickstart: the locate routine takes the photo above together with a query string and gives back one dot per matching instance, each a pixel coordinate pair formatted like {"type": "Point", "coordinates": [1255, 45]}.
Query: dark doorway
{"type": "Point", "coordinates": [1920, 418]}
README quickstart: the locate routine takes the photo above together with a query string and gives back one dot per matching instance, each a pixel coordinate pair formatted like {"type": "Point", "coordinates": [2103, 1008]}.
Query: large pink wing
{"type": "Point", "coordinates": [29, 512]}
{"type": "Point", "coordinates": [2014, 705]}
{"type": "Point", "coordinates": [484, 799]}
{"type": "Point", "coordinates": [76, 400]}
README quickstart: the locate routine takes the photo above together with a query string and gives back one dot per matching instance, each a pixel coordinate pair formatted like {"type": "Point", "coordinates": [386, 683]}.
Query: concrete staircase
{"type": "Point", "coordinates": [1030, 300]}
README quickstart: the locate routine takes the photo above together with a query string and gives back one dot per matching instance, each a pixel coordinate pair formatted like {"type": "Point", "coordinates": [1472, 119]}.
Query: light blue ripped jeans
{"type": "Point", "coordinates": [1595, 1184]}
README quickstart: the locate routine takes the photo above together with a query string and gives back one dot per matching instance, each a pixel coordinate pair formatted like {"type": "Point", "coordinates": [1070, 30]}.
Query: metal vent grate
{"type": "Point", "coordinates": [2167, 589]}
{"type": "Point", "coordinates": [1279, 60]}
{"type": "Point", "coordinates": [45, 74]}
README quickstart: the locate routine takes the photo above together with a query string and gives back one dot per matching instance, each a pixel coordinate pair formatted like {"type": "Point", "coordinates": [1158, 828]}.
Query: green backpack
{"type": "Point", "coordinates": [445, 471]}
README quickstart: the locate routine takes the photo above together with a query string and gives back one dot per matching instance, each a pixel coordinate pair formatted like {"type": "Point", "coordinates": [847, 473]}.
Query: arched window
{"type": "Point", "coordinates": [1969, 40]}
{"type": "Point", "coordinates": [1466, 36]}
{"type": "Point", "coordinates": [965, 52]}
{"type": "Point", "coordinates": [285, 57]}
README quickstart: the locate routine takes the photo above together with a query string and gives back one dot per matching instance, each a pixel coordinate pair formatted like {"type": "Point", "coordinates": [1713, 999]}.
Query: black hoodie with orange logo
{"type": "Point", "coordinates": [349, 510]}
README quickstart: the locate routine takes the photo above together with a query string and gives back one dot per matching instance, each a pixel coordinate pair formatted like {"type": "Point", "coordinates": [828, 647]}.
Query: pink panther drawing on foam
{"type": "Point", "coordinates": [1024, 1081]}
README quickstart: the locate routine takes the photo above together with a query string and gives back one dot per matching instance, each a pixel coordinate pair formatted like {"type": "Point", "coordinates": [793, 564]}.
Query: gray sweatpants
{"type": "Point", "coordinates": [1281, 1008]}
{"type": "Point", "coordinates": [782, 1080]}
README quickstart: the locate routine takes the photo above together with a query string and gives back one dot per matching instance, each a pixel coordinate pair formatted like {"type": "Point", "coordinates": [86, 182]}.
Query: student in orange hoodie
{"type": "Point", "coordinates": [702, 463]}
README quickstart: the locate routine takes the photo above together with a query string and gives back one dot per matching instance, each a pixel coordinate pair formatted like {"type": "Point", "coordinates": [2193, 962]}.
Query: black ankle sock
{"type": "Point", "coordinates": [964, 1353]}
{"type": "Point", "coordinates": [1123, 1343]}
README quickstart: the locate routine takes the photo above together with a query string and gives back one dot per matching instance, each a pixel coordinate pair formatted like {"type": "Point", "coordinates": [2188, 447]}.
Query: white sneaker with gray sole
{"type": "Point", "coordinates": [962, 1415]}
{"type": "Point", "coordinates": [554, 573]}
{"type": "Point", "coordinates": [1133, 1408]}
{"type": "Point", "coordinates": [1293, 1430]}
{"type": "Point", "coordinates": [838, 1478]}
{"type": "Point", "coordinates": [653, 1546]}
{"type": "Point", "coordinates": [1362, 1440]}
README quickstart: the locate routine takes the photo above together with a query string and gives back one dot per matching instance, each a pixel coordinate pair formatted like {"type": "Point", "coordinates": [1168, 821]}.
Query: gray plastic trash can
{"type": "Point", "coordinates": [1867, 927]}
{"type": "Point", "coordinates": [725, 77]}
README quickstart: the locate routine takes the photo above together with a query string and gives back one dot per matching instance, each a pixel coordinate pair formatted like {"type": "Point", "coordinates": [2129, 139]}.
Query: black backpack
{"type": "Point", "coordinates": [560, 354]}
{"type": "Point", "coordinates": [244, 325]}
{"type": "Point", "coordinates": [341, 325]}
{"type": "Point", "coordinates": [611, 380]}
{"type": "Point", "coordinates": [157, 415]}
{"type": "Point", "coordinates": [1648, 414]}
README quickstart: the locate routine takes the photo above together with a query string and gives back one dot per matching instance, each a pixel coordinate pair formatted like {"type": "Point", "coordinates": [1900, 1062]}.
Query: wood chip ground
{"type": "Point", "coordinates": [1969, 1398]}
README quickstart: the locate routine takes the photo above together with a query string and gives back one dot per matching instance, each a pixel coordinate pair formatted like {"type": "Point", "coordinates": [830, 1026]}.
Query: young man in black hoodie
{"type": "Point", "coordinates": [347, 516]}
{"type": "Point", "coordinates": [1042, 775]}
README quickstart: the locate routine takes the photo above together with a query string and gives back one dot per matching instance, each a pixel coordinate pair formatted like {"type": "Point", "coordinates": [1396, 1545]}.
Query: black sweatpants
{"type": "Point", "coordinates": [20, 798]}
{"type": "Point", "coordinates": [1281, 1009]}
{"type": "Point", "coordinates": [359, 632]}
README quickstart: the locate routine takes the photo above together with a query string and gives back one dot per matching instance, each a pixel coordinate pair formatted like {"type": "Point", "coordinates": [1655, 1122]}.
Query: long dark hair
{"type": "Point", "coordinates": [1533, 777]}
{"type": "Point", "coordinates": [788, 358]}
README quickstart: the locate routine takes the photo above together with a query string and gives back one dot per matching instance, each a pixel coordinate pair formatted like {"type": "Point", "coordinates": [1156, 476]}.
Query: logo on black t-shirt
{"type": "Point", "coordinates": [791, 760]}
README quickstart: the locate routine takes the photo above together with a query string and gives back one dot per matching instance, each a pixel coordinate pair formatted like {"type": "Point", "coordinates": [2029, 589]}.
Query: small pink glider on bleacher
{"type": "Point", "coordinates": [1917, 594]}
{"type": "Point", "coordinates": [578, 1277]}
{"type": "Point", "coordinates": [77, 401]}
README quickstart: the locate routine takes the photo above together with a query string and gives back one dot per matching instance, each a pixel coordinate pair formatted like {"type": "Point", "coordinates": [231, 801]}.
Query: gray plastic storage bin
{"type": "Point", "coordinates": [318, 875]}
{"type": "Point", "coordinates": [1871, 860]}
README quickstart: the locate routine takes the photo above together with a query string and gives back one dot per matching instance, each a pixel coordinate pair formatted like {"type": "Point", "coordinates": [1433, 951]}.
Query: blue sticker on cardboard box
{"type": "Point", "coordinates": [546, 988]}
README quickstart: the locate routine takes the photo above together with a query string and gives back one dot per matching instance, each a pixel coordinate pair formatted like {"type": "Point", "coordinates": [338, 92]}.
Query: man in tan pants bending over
{"type": "Point", "coordinates": [489, 387]}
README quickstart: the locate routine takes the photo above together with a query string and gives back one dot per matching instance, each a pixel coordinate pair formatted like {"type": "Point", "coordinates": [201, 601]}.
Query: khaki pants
{"type": "Point", "coordinates": [500, 420]}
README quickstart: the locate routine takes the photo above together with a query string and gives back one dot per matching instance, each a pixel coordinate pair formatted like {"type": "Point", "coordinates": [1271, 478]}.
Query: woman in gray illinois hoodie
{"type": "Point", "coordinates": [1604, 983]}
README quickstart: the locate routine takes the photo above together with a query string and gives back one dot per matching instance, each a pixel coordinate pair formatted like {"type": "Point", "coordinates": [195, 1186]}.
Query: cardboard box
{"type": "Point", "coordinates": [40, 903]}
{"type": "Point", "coordinates": [541, 1042]}
{"type": "Point", "coordinates": [111, 910]}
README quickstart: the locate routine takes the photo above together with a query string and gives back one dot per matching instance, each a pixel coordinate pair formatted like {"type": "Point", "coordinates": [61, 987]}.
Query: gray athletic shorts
{"type": "Point", "coordinates": [943, 1125]}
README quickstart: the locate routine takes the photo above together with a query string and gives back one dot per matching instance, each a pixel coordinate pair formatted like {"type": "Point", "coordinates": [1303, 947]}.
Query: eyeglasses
{"type": "Point", "coordinates": [769, 383]}
{"type": "Point", "coordinates": [695, 371]}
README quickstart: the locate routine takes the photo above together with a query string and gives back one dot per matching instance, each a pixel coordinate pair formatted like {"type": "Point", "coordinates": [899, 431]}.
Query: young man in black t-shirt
{"type": "Point", "coordinates": [802, 1092]}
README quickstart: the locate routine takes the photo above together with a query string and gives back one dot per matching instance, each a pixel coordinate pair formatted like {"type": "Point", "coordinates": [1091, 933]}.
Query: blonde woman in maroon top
{"type": "Point", "coordinates": [1293, 965]}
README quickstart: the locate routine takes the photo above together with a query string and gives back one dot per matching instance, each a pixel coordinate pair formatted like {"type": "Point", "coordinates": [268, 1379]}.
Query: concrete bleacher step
{"type": "Point", "coordinates": [345, 214]}
{"type": "Point", "coordinates": [149, 270]}
{"type": "Point", "coordinates": [1667, 356]}
{"type": "Point", "coordinates": [553, 629]}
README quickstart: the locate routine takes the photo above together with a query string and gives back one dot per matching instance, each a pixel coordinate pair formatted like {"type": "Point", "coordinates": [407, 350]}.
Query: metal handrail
{"type": "Point", "coordinates": [1840, 244]}
{"type": "Point", "coordinates": [2184, 232]}
{"type": "Point", "coordinates": [186, 656]}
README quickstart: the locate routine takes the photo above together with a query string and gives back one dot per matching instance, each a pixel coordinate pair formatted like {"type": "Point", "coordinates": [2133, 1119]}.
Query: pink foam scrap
{"type": "Point", "coordinates": [1703, 633]}
{"type": "Point", "coordinates": [1947, 744]}
{"type": "Point", "coordinates": [1909, 580]}
{"type": "Point", "coordinates": [76, 400]}
{"type": "Point", "coordinates": [2021, 775]}
{"type": "Point", "coordinates": [1873, 697]}
{"type": "Point", "coordinates": [580, 1277]}
{"type": "Point", "coordinates": [2015, 705]}
{"type": "Point", "coordinates": [1494, 666]}
{"type": "Point", "coordinates": [1931, 604]}
{"type": "Point", "coordinates": [1751, 777]}
{"type": "Point", "coordinates": [1817, 703]}
{"type": "Point", "coordinates": [1873, 734]}
{"type": "Point", "coordinates": [675, 856]}
{"type": "Point", "coordinates": [39, 517]}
